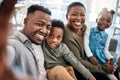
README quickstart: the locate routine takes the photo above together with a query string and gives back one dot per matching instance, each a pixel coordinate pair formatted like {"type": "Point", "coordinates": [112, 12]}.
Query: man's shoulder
{"type": "Point", "coordinates": [13, 40]}
{"type": "Point", "coordinates": [17, 37]}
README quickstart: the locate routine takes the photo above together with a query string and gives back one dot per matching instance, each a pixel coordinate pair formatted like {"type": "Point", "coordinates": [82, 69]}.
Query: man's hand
{"type": "Point", "coordinates": [93, 60]}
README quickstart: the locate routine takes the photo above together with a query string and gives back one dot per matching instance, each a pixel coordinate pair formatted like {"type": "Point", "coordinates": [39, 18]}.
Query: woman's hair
{"type": "Point", "coordinates": [59, 24]}
{"type": "Point", "coordinates": [104, 10]}
{"type": "Point", "coordinates": [73, 4]}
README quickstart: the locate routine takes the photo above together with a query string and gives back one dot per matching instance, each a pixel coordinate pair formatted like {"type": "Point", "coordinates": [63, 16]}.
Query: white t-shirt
{"type": "Point", "coordinates": [40, 59]}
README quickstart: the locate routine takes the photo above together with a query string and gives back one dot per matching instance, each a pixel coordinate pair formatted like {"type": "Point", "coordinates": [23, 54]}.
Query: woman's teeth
{"type": "Point", "coordinates": [78, 23]}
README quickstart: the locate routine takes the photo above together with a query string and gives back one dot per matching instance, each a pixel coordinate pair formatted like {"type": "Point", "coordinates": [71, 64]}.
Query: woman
{"type": "Point", "coordinates": [74, 34]}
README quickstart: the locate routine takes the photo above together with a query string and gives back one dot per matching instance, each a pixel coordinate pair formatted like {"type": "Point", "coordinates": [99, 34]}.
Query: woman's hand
{"type": "Point", "coordinates": [92, 78]}
{"type": "Point", "coordinates": [93, 60]}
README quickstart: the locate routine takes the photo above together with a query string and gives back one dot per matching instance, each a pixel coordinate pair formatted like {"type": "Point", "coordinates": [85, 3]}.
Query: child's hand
{"type": "Point", "coordinates": [92, 78]}
{"type": "Point", "coordinates": [111, 61]}
{"type": "Point", "coordinates": [110, 67]}
{"type": "Point", "coordinates": [93, 60]}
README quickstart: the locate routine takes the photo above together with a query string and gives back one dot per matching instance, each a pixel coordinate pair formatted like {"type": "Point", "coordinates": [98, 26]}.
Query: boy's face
{"type": "Point", "coordinates": [104, 21]}
{"type": "Point", "coordinates": [37, 26]}
{"type": "Point", "coordinates": [55, 37]}
{"type": "Point", "coordinates": [76, 17]}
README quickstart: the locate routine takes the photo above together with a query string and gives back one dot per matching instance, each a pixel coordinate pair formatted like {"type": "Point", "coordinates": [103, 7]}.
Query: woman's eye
{"type": "Point", "coordinates": [82, 14]}
{"type": "Point", "coordinates": [74, 14]}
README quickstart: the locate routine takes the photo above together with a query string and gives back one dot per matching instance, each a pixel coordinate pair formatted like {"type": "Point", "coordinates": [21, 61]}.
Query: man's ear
{"type": "Point", "coordinates": [25, 20]}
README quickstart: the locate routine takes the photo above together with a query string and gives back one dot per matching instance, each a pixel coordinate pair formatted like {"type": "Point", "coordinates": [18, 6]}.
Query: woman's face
{"type": "Point", "coordinates": [76, 17]}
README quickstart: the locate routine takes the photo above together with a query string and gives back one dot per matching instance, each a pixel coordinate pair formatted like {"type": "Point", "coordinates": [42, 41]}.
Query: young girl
{"type": "Point", "coordinates": [96, 41]}
{"type": "Point", "coordinates": [57, 54]}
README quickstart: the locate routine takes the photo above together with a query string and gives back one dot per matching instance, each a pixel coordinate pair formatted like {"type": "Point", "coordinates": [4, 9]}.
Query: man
{"type": "Point", "coordinates": [24, 49]}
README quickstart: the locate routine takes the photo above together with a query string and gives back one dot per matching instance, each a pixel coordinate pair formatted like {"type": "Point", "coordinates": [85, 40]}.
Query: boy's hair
{"type": "Point", "coordinates": [59, 24]}
{"type": "Point", "coordinates": [104, 10]}
{"type": "Point", "coordinates": [34, 8]}
{"type": "Point", "coordinates": [73, 4]}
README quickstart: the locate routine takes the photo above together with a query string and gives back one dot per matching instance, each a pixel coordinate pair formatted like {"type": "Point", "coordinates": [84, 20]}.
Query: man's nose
{"type": "Point", "coordinates": [43, 29]}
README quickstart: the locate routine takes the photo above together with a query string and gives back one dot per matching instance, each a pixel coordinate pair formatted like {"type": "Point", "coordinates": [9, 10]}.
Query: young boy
{"type": "Point", "coordinates": [96, 41]}
{"type": "Point", "coordinates": [57, 55]}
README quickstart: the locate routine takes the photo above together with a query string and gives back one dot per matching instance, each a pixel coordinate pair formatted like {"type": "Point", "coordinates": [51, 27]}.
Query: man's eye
{"type": "Point", "coordinates": [39, 24]}
{"type": "Point", "coordinates": [49, 27]}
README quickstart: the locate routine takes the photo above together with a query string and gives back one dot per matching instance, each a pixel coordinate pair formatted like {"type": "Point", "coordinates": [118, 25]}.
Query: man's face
{"type": "Point", "coordinates": [37, 26]}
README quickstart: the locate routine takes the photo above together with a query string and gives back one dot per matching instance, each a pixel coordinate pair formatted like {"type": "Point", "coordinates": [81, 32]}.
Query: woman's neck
{"type": "Point", "coordinates": [79, 32]}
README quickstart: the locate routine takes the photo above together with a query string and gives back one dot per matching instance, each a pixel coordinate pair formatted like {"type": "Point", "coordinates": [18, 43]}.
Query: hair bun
{"type": "Point", "coordinates": [112, 12]}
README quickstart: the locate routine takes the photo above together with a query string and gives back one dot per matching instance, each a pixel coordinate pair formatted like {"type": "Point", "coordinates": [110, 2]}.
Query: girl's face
{"type": "Point", "coordinates": [76, 17]}
{"type": "Point", "coordinates": [55, 37]}
{"type": "Point", "coordinates": [104, 21]}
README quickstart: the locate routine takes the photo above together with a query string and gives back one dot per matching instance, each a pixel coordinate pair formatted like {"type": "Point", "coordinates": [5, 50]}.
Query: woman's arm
{"type": "Point", "coordinates": [86, 43]}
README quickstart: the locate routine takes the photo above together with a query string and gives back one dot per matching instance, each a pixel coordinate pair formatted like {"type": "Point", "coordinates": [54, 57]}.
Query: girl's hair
{"type": "Point", "coordinates": [73, 4]}
{"type": "Point", "coordinates": [59, 24]}
{"type": "Point", "coordinates": [104, 10]}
